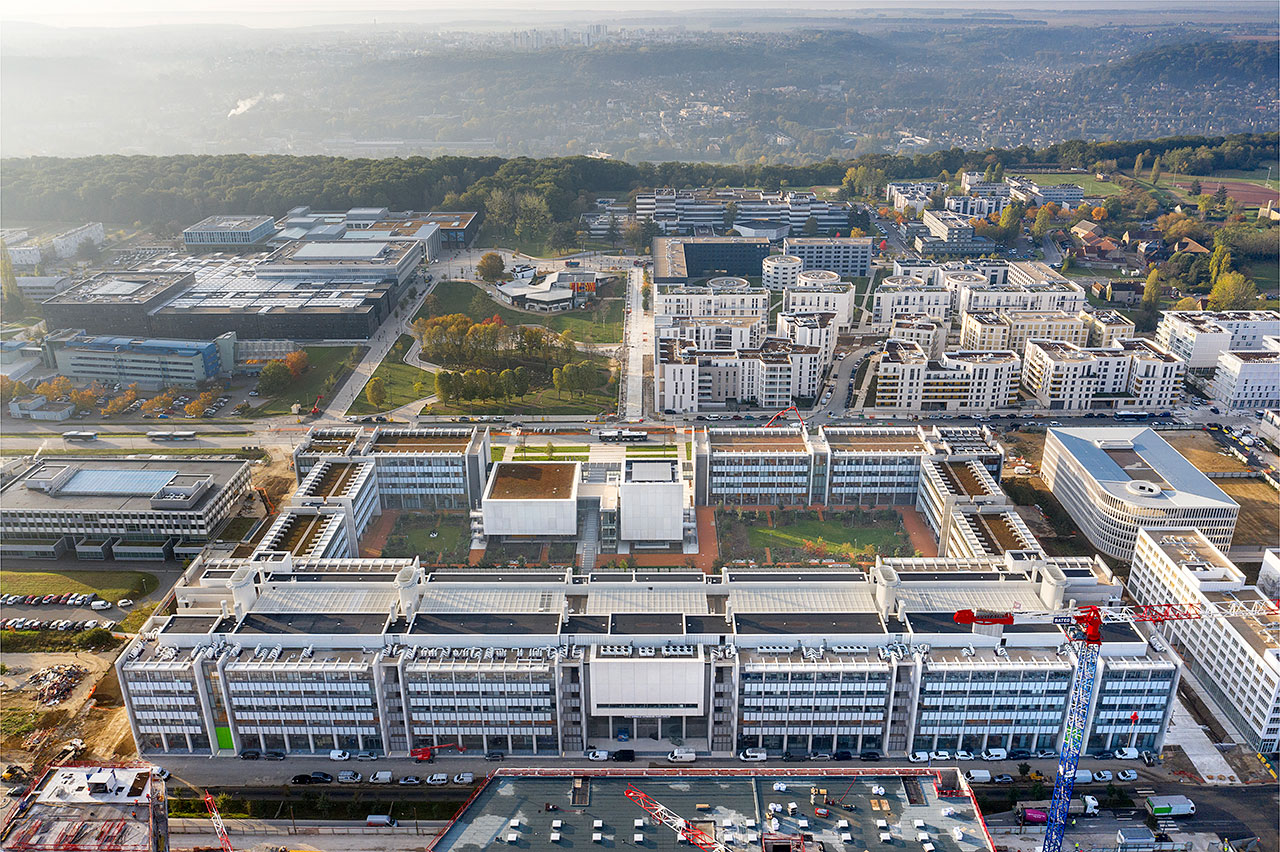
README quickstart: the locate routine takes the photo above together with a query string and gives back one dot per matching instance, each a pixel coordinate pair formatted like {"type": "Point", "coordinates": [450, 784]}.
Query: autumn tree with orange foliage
{"type": "Point", "coordinates": [297, 362]}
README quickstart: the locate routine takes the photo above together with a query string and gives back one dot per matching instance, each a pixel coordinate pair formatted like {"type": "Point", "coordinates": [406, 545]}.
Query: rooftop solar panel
{"type": "Point", "coordinates": [136, 483]}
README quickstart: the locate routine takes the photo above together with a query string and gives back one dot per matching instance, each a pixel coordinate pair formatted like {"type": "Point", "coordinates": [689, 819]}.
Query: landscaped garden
{"type": "Point", "coordinates": [802, 536]}
{"type": "Point", "coordinates": [435, 537]}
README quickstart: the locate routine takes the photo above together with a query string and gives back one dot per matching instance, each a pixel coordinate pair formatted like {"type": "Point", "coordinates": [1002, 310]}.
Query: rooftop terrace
{"type": "Point", "coordinates": [533, 481]}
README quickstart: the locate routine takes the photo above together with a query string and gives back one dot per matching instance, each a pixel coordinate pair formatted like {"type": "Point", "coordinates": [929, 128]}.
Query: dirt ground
{"type": "Point", "coordinates": [1259, 521]}
{"type": "Point", "coordinates": [1029, 446]}
{"type": "Point", "coordinates": [1204, 452]}
{"type": "Point", "coordinates": [276, 476]}
{"type": "Point", "coordinates": [69, 716]}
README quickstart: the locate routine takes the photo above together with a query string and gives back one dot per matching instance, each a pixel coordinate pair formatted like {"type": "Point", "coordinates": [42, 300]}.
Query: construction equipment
{"type": "Point", "coordinates": [687, 831]}
{"type": "Point", "coordinates": [783, 413]}
{"type": "Point", "coordinates": [315, 407]}
{"type": "Point", "coordinates": [427, 753]}
{"type": "Point", "coordinates": [218, 825]}
{"type": "Point", "coordinates": [1083, 626]}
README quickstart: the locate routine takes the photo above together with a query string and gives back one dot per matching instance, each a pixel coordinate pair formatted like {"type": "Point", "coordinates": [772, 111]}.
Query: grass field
{"type": "Point", "coordinates": [1259, 521]}
{"type": "Point", "coordinates": [236, 529]}
{"type": "Point", "coordinates": [1203, 451]}
{"type": "Point", "coordinates": [133, 622]}
{"type": "Point", "coordinates": [1266, 276]}
{"type": "Point", "coordinates": [1085, 180]}
{"type": "Point", "coordinates": [412, 536]}
{"type": "Point", "coordinates": [398, 378]}
{"type": "Point", "coordinates": [108, 585]}
{"type": "Point", "coordinates": [325, 361]}
{"type": "Point", "coordinates": [834, 534]}
{"type": "Point", "coordinates": [596, 326]}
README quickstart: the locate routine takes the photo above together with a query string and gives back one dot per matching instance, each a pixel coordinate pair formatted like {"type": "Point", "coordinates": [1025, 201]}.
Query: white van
{"type": "Point", "coordinates": [978, 776]}
{"type": "Point", "coordinates": [1084, 776]}
{"type": "Point", "coordinates": [995, 754]}
{"type": "Point", "coordinates": [682, 755]}
{"type": "Point", "coordinates": [383, 777]}
{"type": "Point", "coordinates": [100, 605]}
{"type": "Point", "coordinates": [339, 754]}
{"type": "Point", "coordinates": [380, 821]}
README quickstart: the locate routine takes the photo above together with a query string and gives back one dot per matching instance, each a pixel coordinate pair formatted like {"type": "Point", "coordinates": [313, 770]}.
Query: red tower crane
{"type": "Point", "coordinates": [1083, 626]}
{"type": "Point", "coordinates": [782, 414]}
{"type": "Point", "coordinates": [685, 829]}
{"type": "Point", "coordinates": [218, 825]}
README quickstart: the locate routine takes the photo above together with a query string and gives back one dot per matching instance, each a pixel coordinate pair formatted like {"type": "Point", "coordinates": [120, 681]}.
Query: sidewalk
{"type": "Point", "coordinates": [1203, 754]}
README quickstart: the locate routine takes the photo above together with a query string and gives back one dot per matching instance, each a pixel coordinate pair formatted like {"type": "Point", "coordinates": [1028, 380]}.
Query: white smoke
{"type": "Point", "coordinates": [245, 104]}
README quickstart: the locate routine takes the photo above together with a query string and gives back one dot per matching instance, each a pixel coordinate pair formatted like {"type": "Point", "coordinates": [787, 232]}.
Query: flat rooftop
{"type": "Point", "coordinates": [874, 440]}
{"type": "Point", "coordinates": [963, 479]}
{"type": "Point", "coordinates": [420, 442]}
{"type": "Point", "coordinates": [336, 477]}
{"type": "Point", "coordinates": [120, 288]}
{"type": "Point", "coordinates": [756, 440]}
{"type": "Point", "coordinates": [533, 481]}
{"type": "Point", "coordinates": [111, 484]}
{"type": "Point", "coordinates": [733, 806]}
{"type": "Point", "coordinates": [230, 223]}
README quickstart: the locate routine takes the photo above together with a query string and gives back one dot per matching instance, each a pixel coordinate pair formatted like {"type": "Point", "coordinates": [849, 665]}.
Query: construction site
{"type": "Point", "coordinates": [90, 808]}
{"type": "Point", "coordinates": [720, 810]}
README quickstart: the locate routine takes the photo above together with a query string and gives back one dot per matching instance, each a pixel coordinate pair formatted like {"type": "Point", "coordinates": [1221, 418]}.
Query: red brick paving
{"type": "Point", "coordinates": [376, 534]}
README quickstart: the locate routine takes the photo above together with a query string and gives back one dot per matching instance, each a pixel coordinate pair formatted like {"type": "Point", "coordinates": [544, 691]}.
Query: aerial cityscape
{"type": "Point", "coordinates": [752, 427]}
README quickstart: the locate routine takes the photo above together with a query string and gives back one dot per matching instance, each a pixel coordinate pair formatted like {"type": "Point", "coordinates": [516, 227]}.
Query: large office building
{"type": "Point", "coordinates": [1237, 660]}
{"type": "Point", "coordinates": [349, 260]}
{"type": "Point", "coordinates": [229, 231]}
{"type": "Point", "coordinates": [1117, 480]}
{"type": "Point", "coordinates": [1068, 195]}
{"type": "Point", "coordinates": [692, 211]}
{"type": "Point", "coordinates": [848, 256]}
{"type": "Point", "coordinates": [306, 655]}
{"type": "Point", "coordinates": [950, 233]}
{"type": "Point", "coordinates": [151, 363]}
{"type": "Point", "coordinates": [115, 302]}
{"type": "Point", "coordinates": [368, 224]}
{"type": "Point", "coordinates": [126, 508]}
{"type": "Point", "coordinates": [1198, 337]}
{"type": "Point", "coordinates": [677, 260]}
{"type": "Point", "coordinates": [1248, 379]}
{"type": "Point", "coordinates": [977, 206]}
{"type": "Point", "coordinates": [907, 379]}
{"type": "Point", "coordinates": [1132, 374]}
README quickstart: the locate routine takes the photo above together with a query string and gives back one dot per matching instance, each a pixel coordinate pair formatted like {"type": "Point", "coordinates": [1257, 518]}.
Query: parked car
{"type": "Point", "coordinates": [366, 755]}
{"type": "Point", "coordinates": [918, 757]}
{"type": "Point", "coordinates": [964, 755]}
{"type": "Point", "coordinates": [301, 778]}
{"type": "Point", "coordinates": [439, 779]}
{"type": "Point", "coordinates": [339, 754]}
{"type": "Point", "coordinates": [1127, 775]}
{"type": "Point", "coordinates": [1127, 754]}
{"type": "Point", "coordinates": [409, 781]}
{"type": "Point", "coordinates": [819, 755]}
{"type": "Point", "coordinates": [123, 602]}
{"type": "Point", "coordinates": [464, 778]}
{"type": "Point", "coordinates": [497, 755]}
{"type": "Point", "coordinates": [1002, 778]}
{"type": "Point", "coordinates": [941, 754]}
{"type": "Point", "coordinates": [1102, 775]}
{"type": "Point", "coordinates": [348, 776]}
{"type": "Point", "coordinates": [623, 755]}
{"type": "Point", "coordinates": [321, 778]}
{"type": "Point", "coordinates": [792, 756]}
{"type": "Point", "coordinates": [274, 755]}
{"type": "Point", "coordinates": [842, 754]}
{"type": "Point", "coordinates": [250, 754]}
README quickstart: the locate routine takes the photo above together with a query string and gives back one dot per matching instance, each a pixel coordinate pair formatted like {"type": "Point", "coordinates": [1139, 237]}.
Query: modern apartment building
{"type": "Point", "coordinates": [1237, 660]}
{"type": "Point", "coordinates": [821, 291]}
{"type": "Point", "coordinates": [1106, 327]}
{"type": "Point", "coordinates": [68, 243]}
{"type": "Point", "coordinates": [686, 211]}
{"type": "Point", "coordinates": [1198, 337]}
{"type": "Point", "coordinates": [126, 508]}
{"type": "Point", "coordinates": [950, 234]}
{"type": "Point", "coordinates": [1248, 379]}
{"type": "Point", "coordinates": [719, 297]}
{"type": "Point", "coordinates": [810, 329]}
{"type": "Point", "coordinates": [899, 295]}
{"type": "Point", "coordinates": [911, 194]}
{"type": "Point", "coordinates": [974, 184]}
{"type": "Point", "coordinates": [1132, 374]}
{"type": "Point", "coordinates": [977, 206]}
{"type": "Point", "coordinates": [773, 376]}
{"type": "Point", "coordinates": [1068, 195]}
{"type": "Point", "coordinates": [714, 332]}
{"type": "Point", "coordinates": [677, 260]}
{"type": "Point", "coordinates": [1116, 480]}
{"type": "Point", "coordinates": [907, 379]}
{"type": "Point", "coordinates": [1030, 286]}
{"type": "Point", "coordinates": [1011, 329]}
{"type": "Point", "coordinates": [922, 329]}
{"type": "Point", "coordinates": [847, 256]}
{"type": "Point", "coordinates": [224, 231]}
{"type": "Point", "coordinates": [306, 655]}
{"type": "Point", "coordinates": [779, 271]}
{"type": "Point", "coordinates": [995, 270]}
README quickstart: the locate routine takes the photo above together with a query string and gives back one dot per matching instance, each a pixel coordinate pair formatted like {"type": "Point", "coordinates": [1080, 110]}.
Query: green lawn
{"type": "Point", "coordinates": [1085, 180]}
{"type": "Point", "coordinates": [109, 585]}
{"type": "Point", "coordinates": [399, 379]}
{"type": "Point", "coordinates": [835, 534]}
{"type": "Point", "coordinates": [595, 326]}
{"type": "Point", "coordinates": [133, 622]}
{"type": "Point", "coordinates": [412, 536]}
{"type": "Point", "coordinates": [236, 529]}
{"type": "Point", "coordinates": [1267, 276]}
{"type": "Point", "coordinates": [325, 361]}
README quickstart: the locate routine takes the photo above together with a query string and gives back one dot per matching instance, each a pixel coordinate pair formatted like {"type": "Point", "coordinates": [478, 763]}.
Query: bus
{"type": "Point", "coordinates": [1134, 416]}
{"type": "Point", "coordinates": [623, 436]}
{"type": "Point", "coordinates": [79, 436]}
{"type": "Point", "coordinates": [171, 436]}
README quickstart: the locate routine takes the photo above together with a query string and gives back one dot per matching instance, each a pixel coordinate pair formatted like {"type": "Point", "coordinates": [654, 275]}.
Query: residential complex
{"type": "Point", "coordinates": [929, 333]}
{"type": "Point", "coordinates": [950, 234]}
{"type": "Point", "coordinates": [677, 260]}
{"type": "Point", "coordinates": [773, 376]}
{"type": "Point", "coordinates": [685, 211]}
{"type": "Point", "coordinates": [1248, 379]}
{"type": "Point", "coordinates": [821, 291]}
{"type": "Point", "coordinates": [1133, 374]}
{"type": "Point", "coordinates": [720, 297]}
{"type": "Point", "coordinates": [907, 379]}
{"type": "Point", "coordinates": [915, 195]}
{"type": "Point", "coordinates": [1237, 660]}
{"type": "Point", "coordinates": [229, 231]}
{"type": "Point", "coordinates": [1106, 327]}
{"type": "Point", "coordinates": [1117, 480]}
{"type": "Point", "coordinates": [847, 256]}
{"type": "Point", "coordinates": [977, 206]}
{"type": "Point", "coordinates": [1011, 329]}
{"type": "Point", "coordinates": [899, 295]}
{"type": "Point", "coordinates": [1198, 337]}
{"type": "Point", "coordinates": [779, 271]}
{"type": "Point", "coordinates": [126, 508]}
{"type": "Point", "coordinates": [306, 655]}
{"type": "Point", "coordinates": [1068, 195]}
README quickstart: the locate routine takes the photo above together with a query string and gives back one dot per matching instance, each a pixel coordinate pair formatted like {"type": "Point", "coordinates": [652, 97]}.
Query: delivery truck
{"type": "Point", "coordinates": [1170, 806]}
{"type": "Point", "coordinates": [1037, 813]}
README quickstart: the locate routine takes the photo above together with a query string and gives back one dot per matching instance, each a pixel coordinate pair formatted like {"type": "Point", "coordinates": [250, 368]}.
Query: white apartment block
{"type": "Point", "coordinates": [899, 295]}
{"type": "Point", "coordinates": [779, 271]}
{"type": "Point", "coordinates": [847, 256]}
{"type": "Point", "coordinates": [1115, 480]}
{"type": "Point", "coordinates": [1106, 327]}
{"type": "Point", "coordinates": [907, 379]}
{"type": "Point", "coordinates": [308, 655]}
{"type": "Point", "coordinates": [1198, 337]}
{"type": "Point", "coordinates": [973, 183]}
{"type": "Point", "coordinates": [995, 270]}
{"type": "Point", "coordinates": [23, 249]}
{"type": "Point", "coordinates": [774, 376]}
{"type": "Point", "coordinates": [821, 291]}
{"type": "Point", "coordinates": [930, 334]}
{"type": "Point", "coordinates": [1129, 375]}
{"type": "Point", "coordinates": [977, 206]}
{"type": "Point", "coordinates": [904, 194]}
{"type": "Point", "coordinates": [1068, 195]}
{"type": "Point", "coordinates": [950, 233]}
{"type": "Point", "coordinates": [1236, 660]}
{"type": "Point", "coordinates": [810, 329]}
{"type": "Point", "coordinates": [65, 245]}
{"type": "Point", "coordinates": [719, 297]}
{"type": "Point", "coordinates": [1031, 286]}
{"type": "Point", "coordinates": [1011, 329]}
{"type": "Point", "coordinates": [714, 332]}
{"type": "Point", "coordinates": [1248, 379]}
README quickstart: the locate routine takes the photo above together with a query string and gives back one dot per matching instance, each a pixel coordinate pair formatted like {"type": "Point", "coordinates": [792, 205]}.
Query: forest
{"type": "Point", "coordinates": [170, 193]}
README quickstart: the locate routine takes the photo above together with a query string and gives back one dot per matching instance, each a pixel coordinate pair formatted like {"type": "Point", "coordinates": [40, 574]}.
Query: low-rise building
{"type": "Point", "coordinates": [151, 363]}
{"type": "Point", "coordinates": [37, 288]}
{"type": "Point", "coordinates": [907, 379]}
{"type": "Point", "coordinates": [1198, 337]}
{"type": "Point", "coordinates": [1115, 480]}
{"type": "Point", "coordinates": [911, 194]}
{"type": "Point", "coordinates": [1129, 375]}
{"type": "Point", "coordinates": [1237, 660]}
{"type": "Point", "coordinates": [224, 231]}
{"type": "Point", "coordinates": [120, 807]}
{"type": "Point", "coordinates": [975, 184]}
{"type": "Point", "coordinates": [37, 406]}
{"type": "Point", "coordinates": [977, 206]}
{"type": "Point", "coordinates": [848, 256]}
{"type": "Point", "coordinates": [950, 233]}
{"type": "Point", "coordinates": [562, 290]}
{"type": "Point", "coordinates": [1066, 195]}
{"type": "Point", "coordinates": [129, 508]}
{"type": "Point", "coordinates": [1248, 379]}
{"type": "Point", "coordinates": [532, 501]}
{"type": "Point", "coordinates": [1011, 329]}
